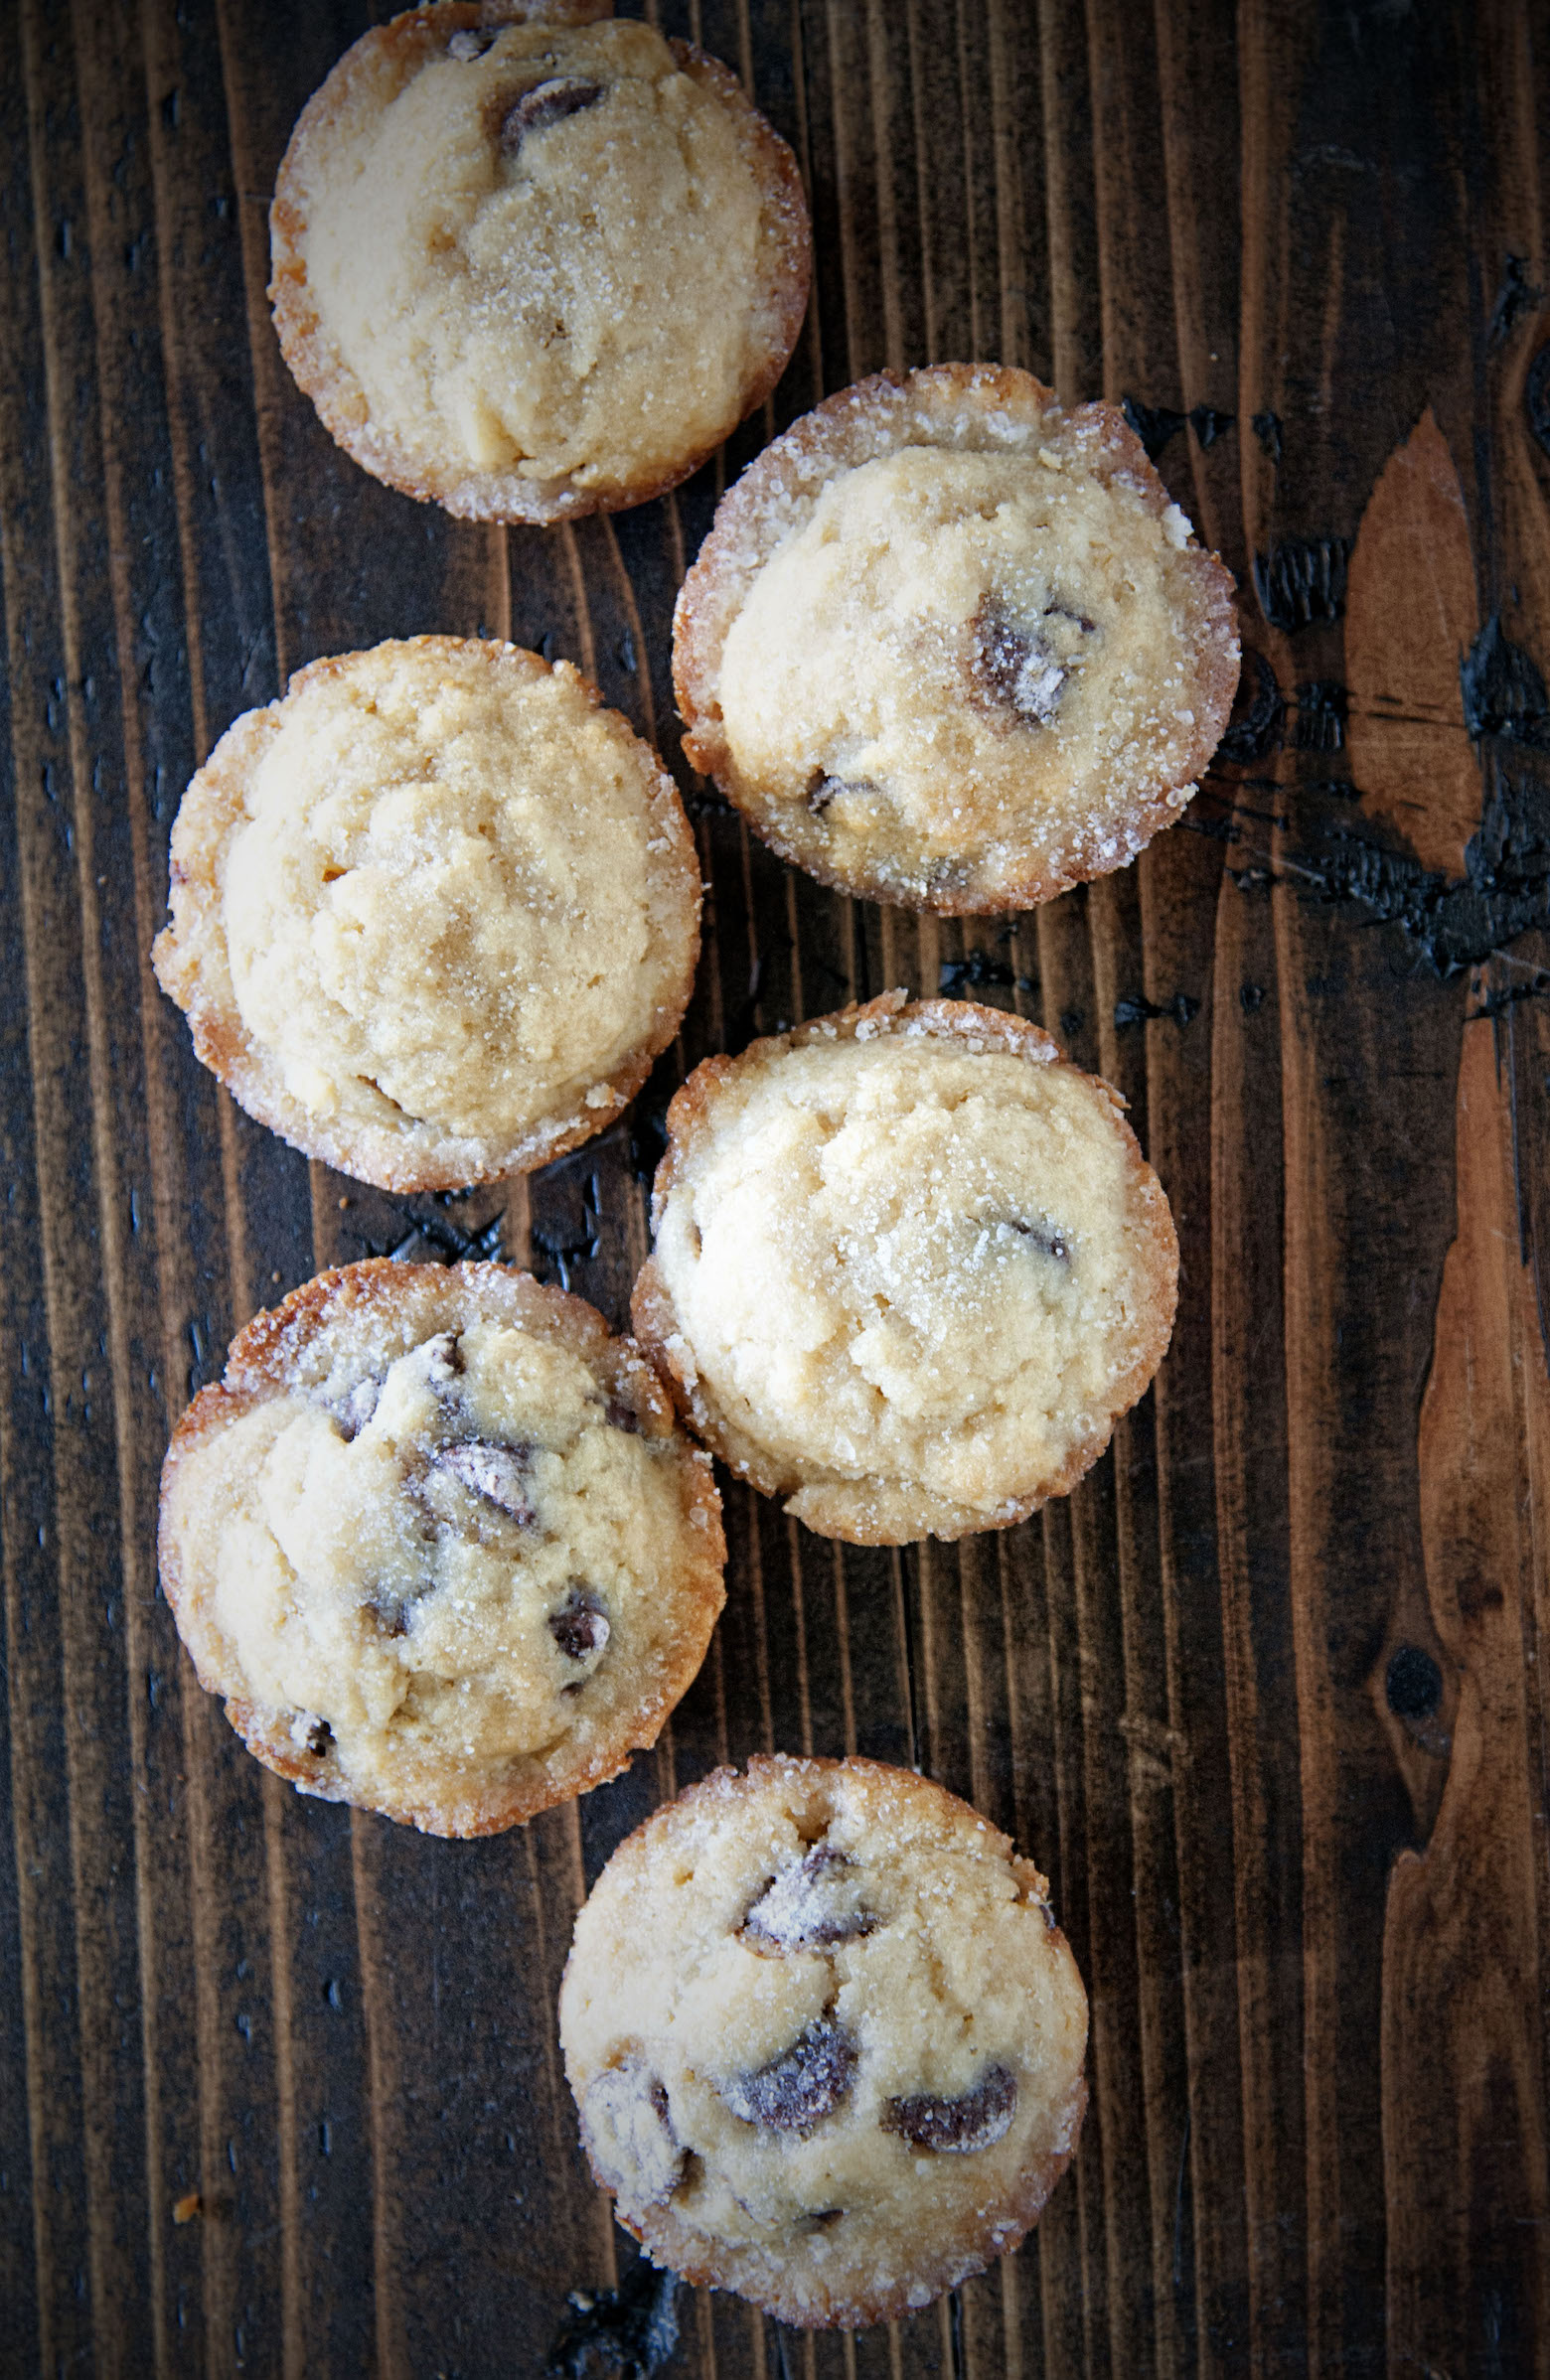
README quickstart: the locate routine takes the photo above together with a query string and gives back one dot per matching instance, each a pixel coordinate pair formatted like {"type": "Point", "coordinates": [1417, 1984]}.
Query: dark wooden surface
{"type": "Point", "coordinates": [1266, 1696]}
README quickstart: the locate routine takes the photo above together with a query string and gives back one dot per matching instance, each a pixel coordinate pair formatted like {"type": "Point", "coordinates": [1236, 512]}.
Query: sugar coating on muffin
{"type": "Point", "coordinates": [535, 268]}
{"type": "Point", "coordinates": [826, 2039]}
{"type": "Point", "coordinates": [434, 913]}
{"type": "Point", "coordinates": [436, 1541]}
{"type": "Point", "coordinates": [909, 1267]}
{"type": "Point", "coordinates": [952, 646]}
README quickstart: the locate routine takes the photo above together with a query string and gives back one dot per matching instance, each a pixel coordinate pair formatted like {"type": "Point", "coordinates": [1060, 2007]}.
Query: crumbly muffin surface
{"type": "Point", "coordinates": [951, 645]}
{"type": "Point", "coordinates": [436, 1541]}
{"type": "Point", "coordinates": [909, 1266]}
{"type": "Point", "coordinates": [826, 2039]}
{"type": "Point", "coordinates": [535, 267]}
{"type": "Point", "coordinates": [434, 911]}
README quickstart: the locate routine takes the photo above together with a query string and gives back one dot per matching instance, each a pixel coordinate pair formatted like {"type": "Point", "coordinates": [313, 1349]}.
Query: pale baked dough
{"type": "Point", "coordinates": [909, 1267]}
{"type": "Point", "coordinates": [536, 269]}
{"type": "Point", "coordinates": [951, 645]}
{"type": "Point", "coordinates": [436, 1541]}
{"type": "Point", "coordinates": [826, 2039]}
{"type": "Point", "coordinates": [434, 913]}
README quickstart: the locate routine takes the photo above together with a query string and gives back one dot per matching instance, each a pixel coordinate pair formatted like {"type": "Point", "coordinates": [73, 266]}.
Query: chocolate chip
{"type": "Point", "coordinates": [320, 1739]}
{"type": "Point", "coordinates": [822, 789]}
{"type": "Point", "coordinates": [355, 1409]}
{"type": "Point", "coordinates": [802, 2086]}
{"type": "Point", "coordinates": [629, 2132]}
{"type": "Point", "coordinates": [580, 1626]}
{"type": "Point", "coordinates": [466, 46]}
{"type": "Point", "coordinates": [497, 1474]}
{"type": "Point", "coordinates": [1045, 1238]}
{"type": "Point", "coordinates": [443, 1357]}
{"type": "Point", "coordinates": [548, 103]}
{"type": "Point", "coordinates": [1014, 667]}
{"type": "Point", "coordinates": [810, 1905]}
{"type": "Point", "coordinates": [822, 2218]}
{"type": "Point", "coordinates": [623, 1417]}
{"type": "Point", "coordinates": [957, 2126]}
{"type": "Point", "coordinates": [389, 1611]}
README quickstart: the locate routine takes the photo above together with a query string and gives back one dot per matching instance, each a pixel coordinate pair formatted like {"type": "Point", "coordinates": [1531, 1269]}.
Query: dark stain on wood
{"type": "Point", "coordinates": [627, 2334]}
{"type": "Point", "coordinates": [1503, 691]}
{"type": "Point", "coordinates": [1516, 296]}
{"type": "Point", "coordinates": [1259, 714]}
{"type": "Point", "coordinates": [1302, 580]}
{"type": "Point", "coordinates": [1154, 425]}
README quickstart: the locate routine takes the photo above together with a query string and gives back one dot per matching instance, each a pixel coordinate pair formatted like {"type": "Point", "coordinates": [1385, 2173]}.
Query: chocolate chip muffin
{"type": "Point", "coordinates": [951, 645]}
{"type": "Point", "coordinates": [434, 913]}
{"type": "Point", "coordinates": [826, 2039]}
{"type": "Point", "coordinates": [910, 1266]}
{"type": "Point", "coordinates": [538, 267]}
{"type": "Point", "coordinates": [436, 1541]}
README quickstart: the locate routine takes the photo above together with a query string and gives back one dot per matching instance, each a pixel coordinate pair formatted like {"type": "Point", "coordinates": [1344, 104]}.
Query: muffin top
{"type": "Point", "coordinates": [433, 913]}
{"type": "Point", "coordinates": [951, 645]}
{"type": "Point", "coordinates": [537, 268]}
{"type": "Point", "coordinates": [436, 1540]}
{"type": "Point", "coordinates": [826, 2039]}
{"type": "Point", "coordinates": [909, 1267]}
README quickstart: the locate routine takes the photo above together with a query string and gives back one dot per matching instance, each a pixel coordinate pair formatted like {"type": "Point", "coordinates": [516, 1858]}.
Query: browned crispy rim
{"type": "Point", "coordinates": [434, 1159]}
{"type": "Point", "coordinates": [862, 1512]}
{"type": "Point", "coordinates": [798, 463]}
{"type": "Point", "coordinates": [259, 1363]}
{"type": "Point", "coordinates": [323, 376]}
{"type": "Point", "coordinates": [670, 2244]}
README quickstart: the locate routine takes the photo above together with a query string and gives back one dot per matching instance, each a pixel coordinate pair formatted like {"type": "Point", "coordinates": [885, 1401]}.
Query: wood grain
{"type": "Point", "coordinates": [1264, 1696]}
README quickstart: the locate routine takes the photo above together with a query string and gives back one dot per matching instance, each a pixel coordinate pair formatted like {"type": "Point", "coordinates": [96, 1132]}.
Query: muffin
{"type": "Point", "coordinates": [909, 1268]}
{"type": "Point", "coordinates": [535, 268]}
{"type": "Point", "coordinates": [433, 914]}
{"type": "Point", "coordinates": [950, 645]}
{"type": "Point", "coordinates": [435, 1540]}
{"type": "Point", "coordinates": [826, 2039]}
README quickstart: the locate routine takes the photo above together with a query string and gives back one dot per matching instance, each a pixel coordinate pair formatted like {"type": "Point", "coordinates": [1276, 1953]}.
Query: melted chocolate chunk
{"type": "Point", "coordinates": [629, 2132]}
{"type": "Point", "coordinates": [320, 1740]}
{"type": "Point", "coordinates": [548, 103]}
{"type": "Point", "coordinates": [443, 1357]}
{"type": "Point", "coordinates": [1045, 1238]}
{"type": "Point", "coordinates": [469, 45]}
{"type": "Point", "coordinates": [797, 2090]}
{"type": "Point", "coordinates": [822, 789]}
{"type": "Point", "coordinates": [391, 1611]}
{"type": "Point", "coordinates": [580, 1626]}
{"type": "Point", "coordinates": [957, 2126]}
{"type": "Point", "coordinates": [497, 1474]}
{"type": "Point", "coordinates": [355, 1410]}
{"type": "Point", "coordinates": [1015, 668]}
{"type": "Point", "coordinates": [809, 1905]}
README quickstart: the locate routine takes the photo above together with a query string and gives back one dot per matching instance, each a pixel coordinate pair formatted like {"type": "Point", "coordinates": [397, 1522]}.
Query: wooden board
{"type": "Point", "coordinates": [1266, 1696]}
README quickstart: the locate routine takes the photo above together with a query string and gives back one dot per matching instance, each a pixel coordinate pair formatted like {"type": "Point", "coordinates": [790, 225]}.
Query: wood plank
{"type": "Point", "coordinates": [1310, 1891]}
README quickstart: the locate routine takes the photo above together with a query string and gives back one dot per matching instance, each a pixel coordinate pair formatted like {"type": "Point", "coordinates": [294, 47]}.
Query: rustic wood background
{"type": "Point", "coordinates": [1265, 1695]}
